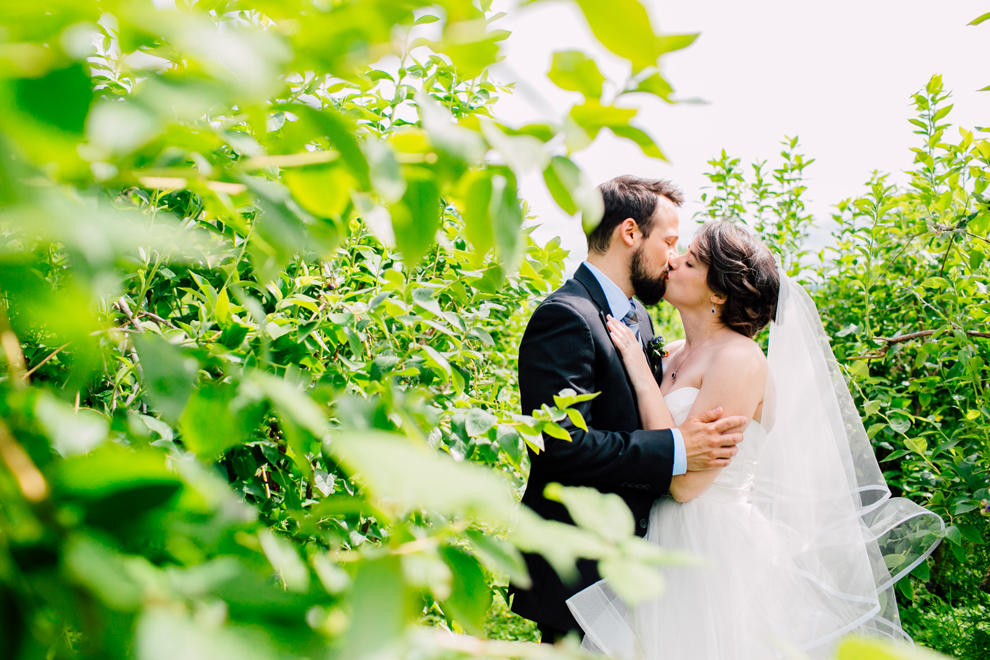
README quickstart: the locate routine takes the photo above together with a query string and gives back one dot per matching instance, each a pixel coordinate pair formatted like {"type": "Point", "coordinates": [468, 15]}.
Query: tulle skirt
{"type": "Point", "coordinates": [735, 605]}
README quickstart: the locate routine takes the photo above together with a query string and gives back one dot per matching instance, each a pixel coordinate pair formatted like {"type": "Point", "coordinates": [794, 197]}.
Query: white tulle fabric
{"type": "Point", "coordinates": [801, 539]}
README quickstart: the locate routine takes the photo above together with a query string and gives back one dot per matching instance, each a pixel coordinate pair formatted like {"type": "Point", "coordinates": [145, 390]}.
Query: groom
{"type": "Point", "coordinates": [567, 345]}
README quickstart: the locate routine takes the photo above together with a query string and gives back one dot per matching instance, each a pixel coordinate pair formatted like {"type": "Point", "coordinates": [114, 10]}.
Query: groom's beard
{"type": "Point", "coordinates": [648, 288]}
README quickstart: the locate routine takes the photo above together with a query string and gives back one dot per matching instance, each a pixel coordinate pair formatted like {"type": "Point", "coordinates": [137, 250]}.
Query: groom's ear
{"type": "Point", "coordinates": [627, 231]}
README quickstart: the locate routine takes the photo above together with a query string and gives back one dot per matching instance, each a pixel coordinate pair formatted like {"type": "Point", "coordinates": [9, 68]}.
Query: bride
{"type": "Point", "coordinates": [800, 539]}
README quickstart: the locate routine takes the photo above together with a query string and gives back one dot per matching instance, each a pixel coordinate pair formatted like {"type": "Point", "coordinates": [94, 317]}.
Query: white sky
{"type": "Point", "coordinates": [838, 74]}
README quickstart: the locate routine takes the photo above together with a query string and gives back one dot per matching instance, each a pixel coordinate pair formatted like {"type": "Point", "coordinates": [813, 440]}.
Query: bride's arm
{"type": "Point", "coordinates": [653, 412]}
{"type": "Point", "coordinates": [734, 378]}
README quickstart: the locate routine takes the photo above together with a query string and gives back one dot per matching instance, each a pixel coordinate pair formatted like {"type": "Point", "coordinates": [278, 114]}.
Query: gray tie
{"type": "Point", "coordinates": [630, 320]}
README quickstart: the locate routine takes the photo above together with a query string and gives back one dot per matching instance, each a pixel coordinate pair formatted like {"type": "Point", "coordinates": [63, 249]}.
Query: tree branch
{"type": "Point", "coordinates": [890, 341]}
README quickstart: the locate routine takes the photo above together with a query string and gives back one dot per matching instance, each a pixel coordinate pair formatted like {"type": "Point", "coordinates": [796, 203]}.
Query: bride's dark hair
{"type": "Point", "coordinates": [741, 268]}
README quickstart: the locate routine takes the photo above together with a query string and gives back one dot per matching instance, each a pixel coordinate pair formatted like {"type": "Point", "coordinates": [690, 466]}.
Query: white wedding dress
{"type": "Point", "coordinates": [800, 540]}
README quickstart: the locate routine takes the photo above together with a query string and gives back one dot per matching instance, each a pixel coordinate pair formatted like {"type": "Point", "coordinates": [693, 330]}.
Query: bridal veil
{"type": "Point", "coordinates": [838, 537]}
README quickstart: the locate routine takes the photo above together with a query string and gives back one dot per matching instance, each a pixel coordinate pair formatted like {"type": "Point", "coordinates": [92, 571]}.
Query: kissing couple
{"type": "Point", "coordinates": [757, 464]}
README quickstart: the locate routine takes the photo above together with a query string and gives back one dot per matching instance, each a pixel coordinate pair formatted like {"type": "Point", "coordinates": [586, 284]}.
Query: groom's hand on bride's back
{"type": "Point", "coordinates": [710, 442]}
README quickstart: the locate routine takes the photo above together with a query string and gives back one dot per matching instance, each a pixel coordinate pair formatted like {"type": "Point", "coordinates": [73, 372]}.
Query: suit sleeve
{"type": "Point", "coordinates": [558, 352]}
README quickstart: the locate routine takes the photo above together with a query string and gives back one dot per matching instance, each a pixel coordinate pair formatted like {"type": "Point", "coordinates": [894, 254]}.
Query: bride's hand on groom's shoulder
{"type": "Point", "coordinates": [629, 348]}
{"type": "Point", "coordinates": [710, 440]}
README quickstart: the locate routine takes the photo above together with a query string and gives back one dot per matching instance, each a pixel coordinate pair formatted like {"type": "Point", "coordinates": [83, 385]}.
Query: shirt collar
{"type": "Point", "coordinates": [618, 303]}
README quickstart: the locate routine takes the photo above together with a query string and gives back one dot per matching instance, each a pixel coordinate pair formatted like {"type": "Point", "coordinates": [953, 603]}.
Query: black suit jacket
{"type": "Point", "coordinates": [567, 344]}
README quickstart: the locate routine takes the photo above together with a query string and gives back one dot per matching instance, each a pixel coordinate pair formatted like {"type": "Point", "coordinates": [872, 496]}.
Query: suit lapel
{"type": "Point", "coordinates": [584, 276]}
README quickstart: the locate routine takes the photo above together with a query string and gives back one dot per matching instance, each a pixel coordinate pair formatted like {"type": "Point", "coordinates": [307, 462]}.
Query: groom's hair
{"type": "Point", "coordinates": [629, 196]}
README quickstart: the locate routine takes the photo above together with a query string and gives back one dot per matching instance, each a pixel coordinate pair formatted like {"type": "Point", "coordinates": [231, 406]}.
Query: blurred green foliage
{"type": "Point", "coordinates": [262, 280]}
{"type": "Point", "coordinates": [902, 291]}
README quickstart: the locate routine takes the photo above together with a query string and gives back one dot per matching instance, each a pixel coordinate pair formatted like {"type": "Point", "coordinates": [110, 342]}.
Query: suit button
{"type": "Point", "coordinates": [642, 523]}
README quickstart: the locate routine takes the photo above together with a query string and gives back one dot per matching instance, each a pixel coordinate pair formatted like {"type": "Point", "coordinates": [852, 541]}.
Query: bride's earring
{"type": "Point", "coordinates": [713, 308]}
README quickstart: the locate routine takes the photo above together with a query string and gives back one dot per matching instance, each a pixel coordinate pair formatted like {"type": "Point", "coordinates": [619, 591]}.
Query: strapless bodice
{"type": "Point", "coordinates": [734, 482]}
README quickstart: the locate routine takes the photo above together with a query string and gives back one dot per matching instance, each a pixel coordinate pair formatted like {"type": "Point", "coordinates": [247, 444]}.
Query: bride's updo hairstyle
{"type": "Point", "coordinates": [741, 268]}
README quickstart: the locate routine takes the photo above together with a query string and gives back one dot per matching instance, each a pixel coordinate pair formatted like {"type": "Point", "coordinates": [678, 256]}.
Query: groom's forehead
{"type": "Point", "coordinates": [666, 218]}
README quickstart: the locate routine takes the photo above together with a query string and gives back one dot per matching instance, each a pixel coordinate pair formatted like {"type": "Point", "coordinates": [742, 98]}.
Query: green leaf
{"type": "Point", "coordinates": [656, 85]}
{"type": "Point", "coordinates": [423, 297]}
{"type": "Point", "coordinates": [576, 419]}
{"type": "Point", "coordinates": [556, 431]}
{"type": "Point", "coordinates": [477, 201]}
{"type": "Point", "coordinates": [576, 72]}
{"type": "Point", "coordinates": [507, 219]}
{"type": "Point", "coordinates": [470, 598]}
{"type": "Point", "coordinates": [864, 648]}
{"type": "Point", "coordinates": [623, 26]}
{"type": "Point", "coordinates": [58, 100]}
{"type": "Point", "coordinates": [592, 116]}
{"type": "Point", "coordinates": [470, 48]}
{"type": "Point", "coordinates": [434, 358]}
{"type": "Point", "coordinates": [104, 571]}
{"type": "Point", "coordinates": [292, 403]}
{"type": "Point", "coordinates": [971, 533]}
{"type": "Point", "coordinates": [410, 477]}
{"type": "Point", "coordinates": [211, 423]}
{"type": "Point", "coordinates": [479, 422]}
{"type": "Point", "coordinates": [606, 514]}
{"type": "Point", "coordinates": [668, 43]}
{"type": "Point", "coordinates": [900, 424]}
{"type": "Point", "coordinates": [169, 375]}
{"type": "Point", "coordinates": [499, 556]}
{"type": "Point", "coordinates": [426, 570]}
{"type": "Point", "coordinates": [416, 218]}
{"type": "Point", "coordinates": [640, 137]}
{"type": "Point", "coordinates": [117, 485]}
{"type": "Point", "coordinates": [572, 191]}
{"type": "Point", "coordinates": [980, 19]}
{"type": "Point", "coordinates": [165, 633]}
{"type": "Point", "coordinates": [918, 445]}
{"type": "Point", "coordinates": [561, 544]}
{"type": "Point", "coordinates": [341, 132]}
{"type": "Point", "coordinates": [284, 558]}
{"type": "Point", "coordinates": [221, 309]}
{"type": "Point", "coordinates": [860, 369]}
{"type": "Point", "coordinates": [455, 141]}
{"type": "Point", "coordinates": [632, 581]}
{"type": "Point", "coordinates": [522, 153]}
{"type": "Point", "coordinates": [71, 432]}
{"type": "Point", "coordinates": [379, 606]}
{"type": "Point", "coordinates": [324, 191]}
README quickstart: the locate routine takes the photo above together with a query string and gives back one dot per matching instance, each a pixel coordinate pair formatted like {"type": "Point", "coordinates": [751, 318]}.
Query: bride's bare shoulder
{"type": "Point", "coordinates": [741, 353]}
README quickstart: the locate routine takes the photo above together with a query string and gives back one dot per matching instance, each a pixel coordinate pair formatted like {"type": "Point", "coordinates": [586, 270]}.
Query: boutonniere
{"type": "Point", "coordinates": [656, 348]}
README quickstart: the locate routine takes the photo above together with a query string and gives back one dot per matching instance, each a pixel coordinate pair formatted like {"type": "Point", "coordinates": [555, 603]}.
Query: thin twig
{"type": "Point", "coordinates": [11, 347]}
{"type": "Point", "coordinates": [948, 251]}
{"type": "Point", "coordinates": [121, 304]}
{"type": "Point", "coordinates": [890, 341]}
{"type": "Point", "coordinates": [158, 319]}
{"type": "Point", "coordinates": [29, 477]}
{"type": "Point", "coordinates": [30, 371]}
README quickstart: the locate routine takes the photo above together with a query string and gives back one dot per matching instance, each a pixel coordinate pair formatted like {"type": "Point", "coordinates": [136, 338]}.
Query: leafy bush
{"type": "Point", "coordinates": [903, 294]}
{"type": "Point", "coordinates": [262, 279]}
